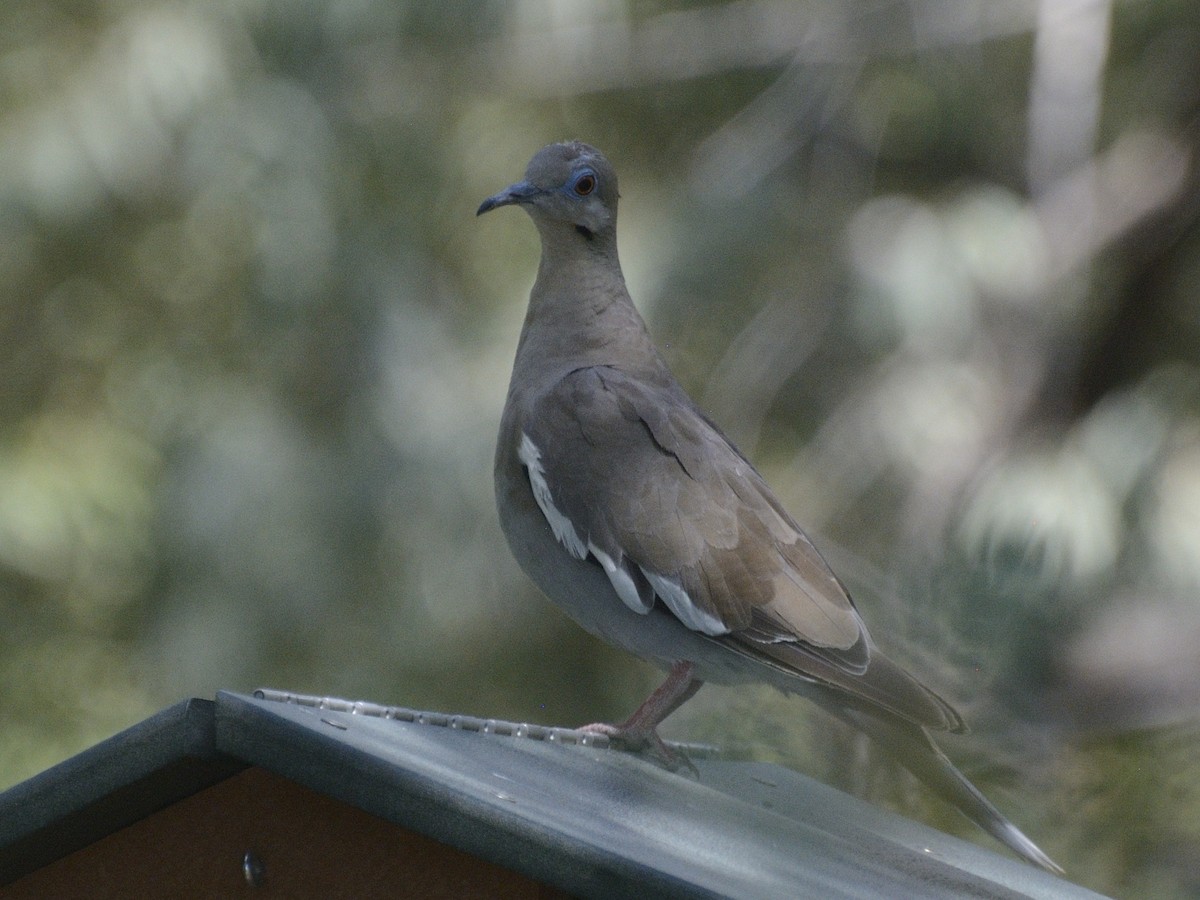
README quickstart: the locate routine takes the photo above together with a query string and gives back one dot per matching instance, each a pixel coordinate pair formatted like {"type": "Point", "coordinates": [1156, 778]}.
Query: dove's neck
{"type": "Point", "coordinates": [580, 314]}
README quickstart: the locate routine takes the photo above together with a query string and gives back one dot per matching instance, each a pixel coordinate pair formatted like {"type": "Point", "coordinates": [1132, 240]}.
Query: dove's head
{"type": "Point", "coordinates": [567, 185]}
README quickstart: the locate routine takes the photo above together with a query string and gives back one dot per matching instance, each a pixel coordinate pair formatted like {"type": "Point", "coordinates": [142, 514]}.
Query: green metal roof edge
{"type": "Point", "coordinates": [596, 822]}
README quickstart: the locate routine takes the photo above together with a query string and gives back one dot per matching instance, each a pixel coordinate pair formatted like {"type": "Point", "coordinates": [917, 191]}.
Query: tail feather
{"type": "Point", "coordinates": [913, 748]}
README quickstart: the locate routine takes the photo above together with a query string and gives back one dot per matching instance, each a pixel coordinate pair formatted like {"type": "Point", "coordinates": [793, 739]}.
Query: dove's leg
{"type": "Point", "coordinates": [638, 732]}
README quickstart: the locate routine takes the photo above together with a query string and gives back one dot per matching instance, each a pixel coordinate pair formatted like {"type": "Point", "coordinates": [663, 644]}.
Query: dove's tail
{"type": "Point", "coordinates": [913, 748]}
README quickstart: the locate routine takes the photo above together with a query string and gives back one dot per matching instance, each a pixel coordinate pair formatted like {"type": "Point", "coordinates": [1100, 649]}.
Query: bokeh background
{"type": "Point", "coordinates": [934, 265]}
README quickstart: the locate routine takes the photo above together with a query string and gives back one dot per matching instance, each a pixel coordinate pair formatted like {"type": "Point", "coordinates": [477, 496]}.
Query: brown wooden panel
{"type": "Point", "coordinates": [310, 846]}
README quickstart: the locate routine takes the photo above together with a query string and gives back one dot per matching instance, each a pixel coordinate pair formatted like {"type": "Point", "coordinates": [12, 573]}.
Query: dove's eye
{"type": "Point", "coordinates": [585, 184]}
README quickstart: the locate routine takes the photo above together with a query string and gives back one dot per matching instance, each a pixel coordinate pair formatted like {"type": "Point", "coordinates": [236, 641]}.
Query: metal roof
{"type": "Point", "coordinates": [558, 808]}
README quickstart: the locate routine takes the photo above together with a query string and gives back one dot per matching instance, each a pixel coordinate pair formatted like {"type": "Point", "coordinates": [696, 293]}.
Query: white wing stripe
{"type": "Point", "coordinates": [531, 457]}
{"type": "Point", "coordinates": [622, 582]}
{"type": "Point", "coordinates": [681, 604]}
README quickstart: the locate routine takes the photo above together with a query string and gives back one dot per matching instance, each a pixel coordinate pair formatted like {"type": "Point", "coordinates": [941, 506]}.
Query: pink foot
{"type": "Point", "coordinates": [638, 733]}
{"type": "Point", "coordinates": [644, 743]}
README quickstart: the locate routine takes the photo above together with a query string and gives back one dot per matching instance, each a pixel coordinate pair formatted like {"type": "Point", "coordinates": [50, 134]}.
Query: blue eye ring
{"type": "Point", "coordinates": [584, 184]}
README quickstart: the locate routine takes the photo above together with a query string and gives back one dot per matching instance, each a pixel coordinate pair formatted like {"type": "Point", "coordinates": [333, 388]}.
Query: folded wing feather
{"type": "Point", "coordinates": [648, 481]}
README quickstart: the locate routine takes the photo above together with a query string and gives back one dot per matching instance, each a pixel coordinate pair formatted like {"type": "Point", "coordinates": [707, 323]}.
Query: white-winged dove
{"type": "Point", "coordinates": [632, 511]}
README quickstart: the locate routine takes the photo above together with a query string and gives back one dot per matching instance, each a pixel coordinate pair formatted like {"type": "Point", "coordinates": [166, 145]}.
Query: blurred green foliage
{"type": "Point", "coordinates": [933, 266]}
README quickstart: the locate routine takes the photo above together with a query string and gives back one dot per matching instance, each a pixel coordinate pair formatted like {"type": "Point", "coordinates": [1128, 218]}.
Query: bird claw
{"type": "Point", "coordinates": [646, 744]}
